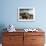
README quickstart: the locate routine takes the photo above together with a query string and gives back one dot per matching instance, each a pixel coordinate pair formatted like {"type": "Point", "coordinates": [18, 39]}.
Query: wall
{"type": "Point", "coordinates": [8, 13]}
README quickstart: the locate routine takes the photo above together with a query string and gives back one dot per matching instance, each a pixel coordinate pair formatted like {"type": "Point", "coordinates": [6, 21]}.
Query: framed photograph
{"type": "Point", "coordinates": [26, 14]}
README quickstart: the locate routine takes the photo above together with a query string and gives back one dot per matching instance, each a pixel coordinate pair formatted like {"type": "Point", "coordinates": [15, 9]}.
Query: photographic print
{"type": "Point", "coordinates": [26, 14]}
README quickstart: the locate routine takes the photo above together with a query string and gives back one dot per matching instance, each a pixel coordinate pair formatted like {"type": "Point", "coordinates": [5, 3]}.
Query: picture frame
{"type": "Point", "coordinates": [26, 14]}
